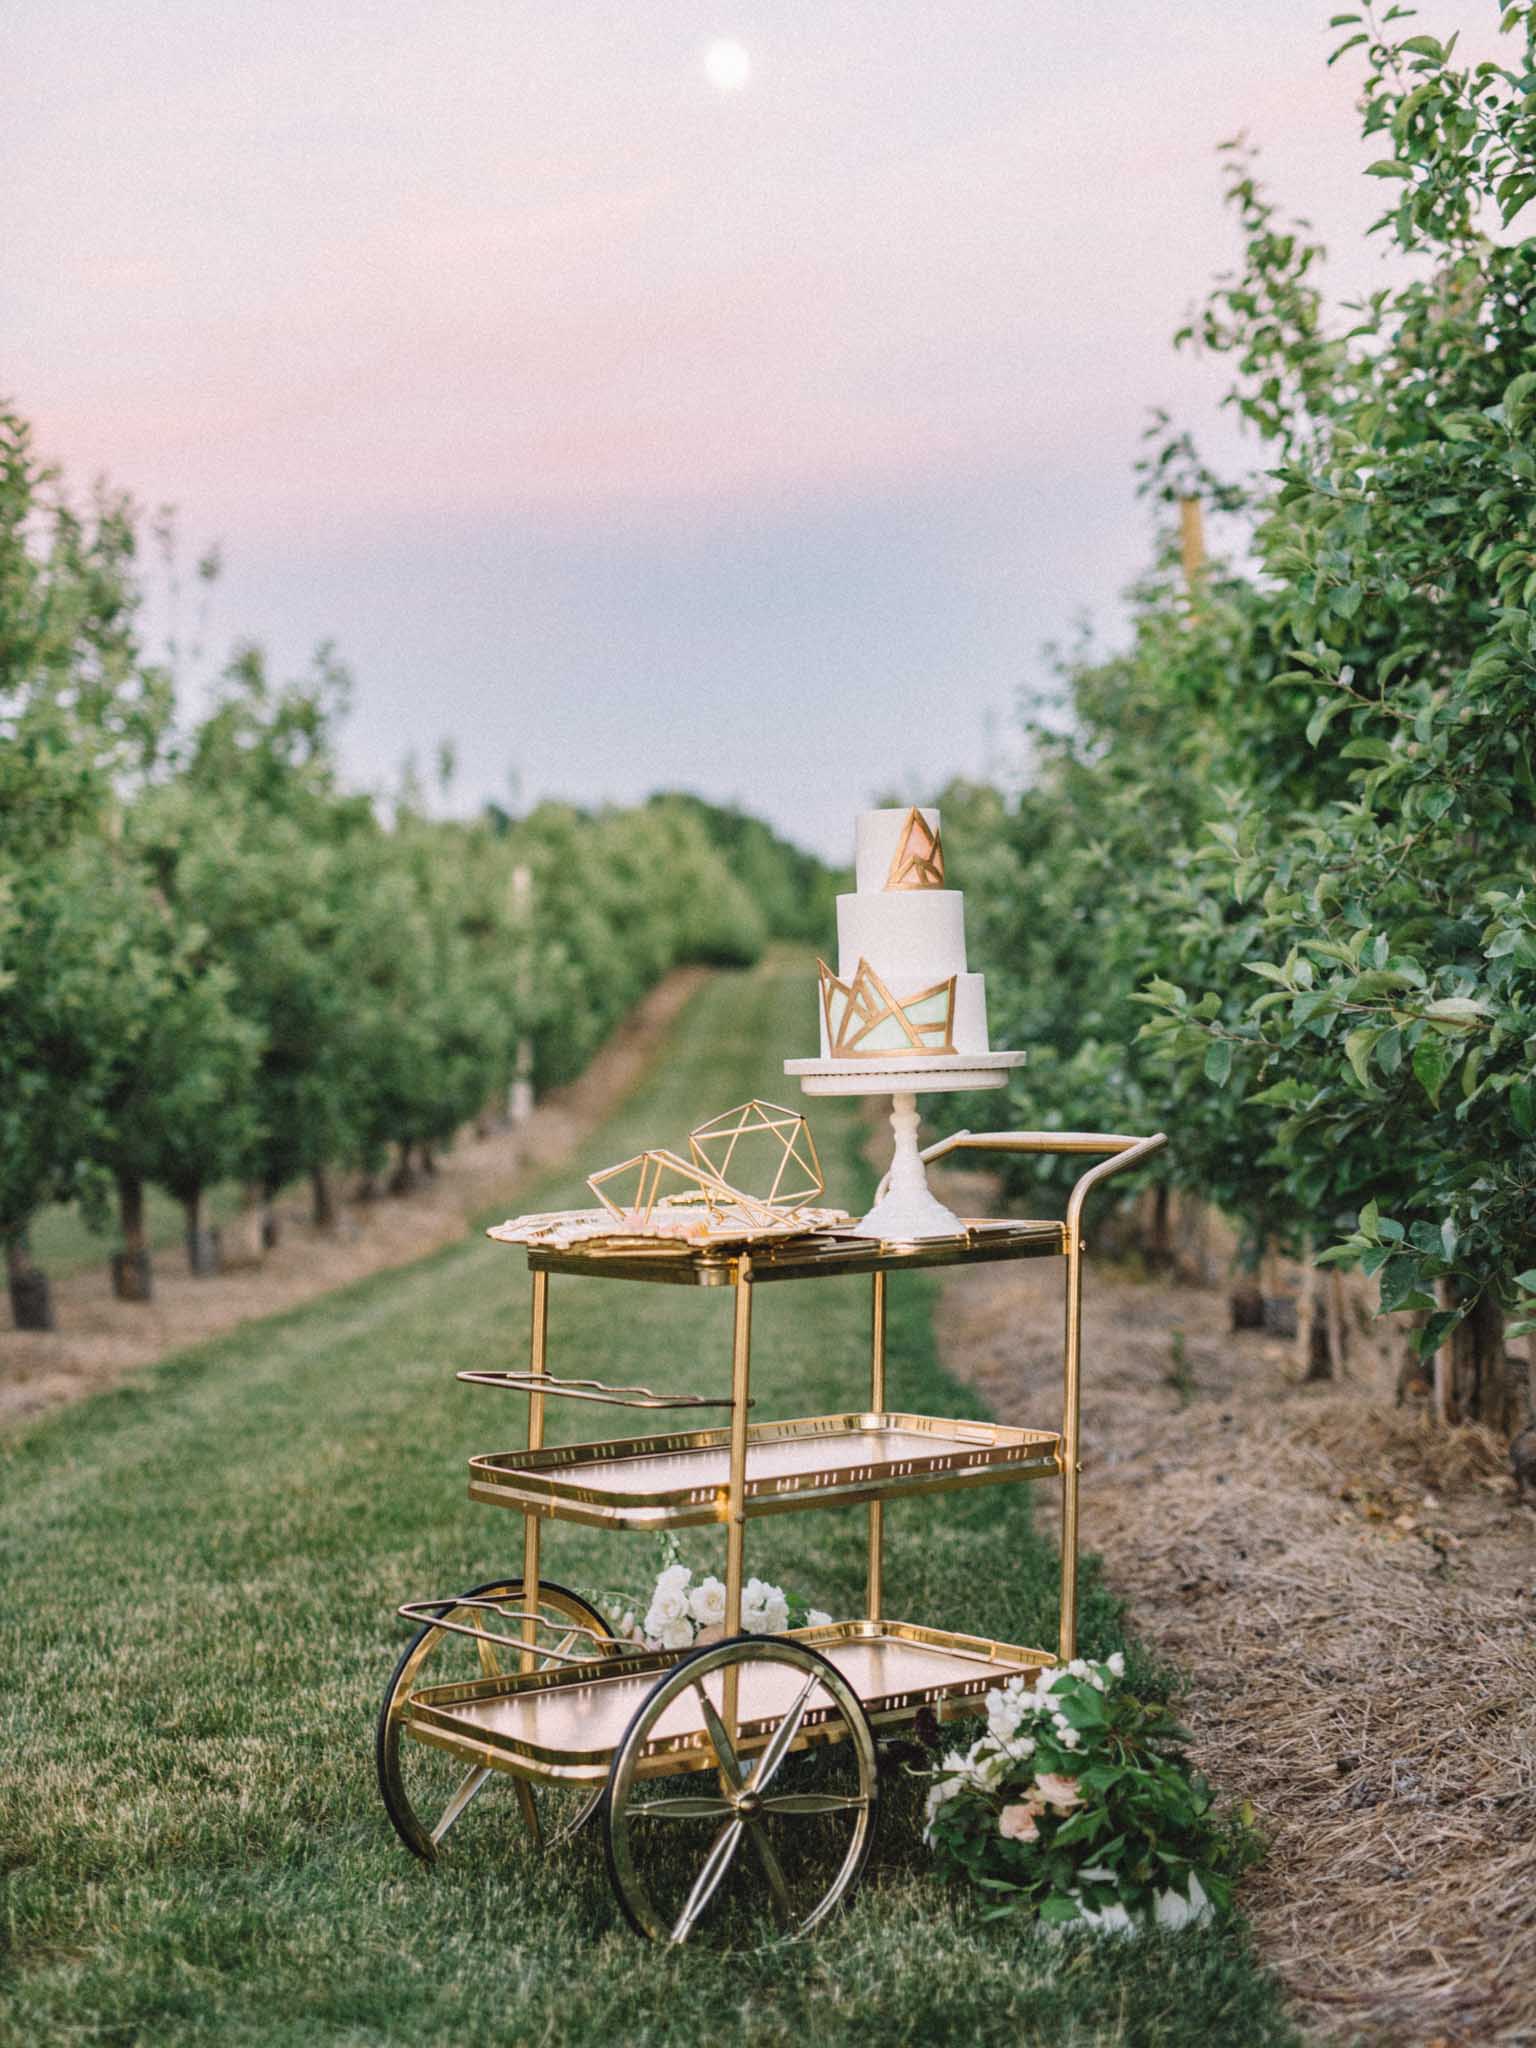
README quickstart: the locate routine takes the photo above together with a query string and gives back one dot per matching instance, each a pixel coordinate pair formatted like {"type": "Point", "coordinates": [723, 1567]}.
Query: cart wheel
{"type": "Point", "coordinates": [788, 1815]}
{"type": "Point", "coordinates": [425, 1790]}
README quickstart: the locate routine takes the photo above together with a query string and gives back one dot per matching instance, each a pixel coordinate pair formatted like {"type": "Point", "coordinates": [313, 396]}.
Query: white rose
{"type": "Point", "coordinates": [1116, 1664]}
{"type": "Point", "coordinates": [764, 1610]}
{"type": "Point", "coordinates": [1002, 1719]}
{"type": "Point", "coordinates": [1070, 1739]}
{"type": "Point", "coordinates": [816, 1619]}
{"type": "Point", "coordinates": [677, 1635]}
{"type": "Point", "coordinates": [674, 1578]}
{"type": "Point", "coordinates": [989, 1771]}
{"type": "Point", "coordinates": [706, 1603]}
{"type": "Point", "coordinates": [665, 1606]}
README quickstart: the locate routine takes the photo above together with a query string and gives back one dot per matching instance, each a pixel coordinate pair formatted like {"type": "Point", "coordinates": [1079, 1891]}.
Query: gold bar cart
{"type": "Point", "coordinates": [764, 1744]}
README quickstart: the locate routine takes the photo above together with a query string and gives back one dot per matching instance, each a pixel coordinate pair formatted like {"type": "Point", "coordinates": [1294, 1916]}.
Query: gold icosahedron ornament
{"type": "Point", "coordinates": [865, 1020]}
{"type": "Point", "coordinates": [730, 1144]}
{"type": "Point", "coordinates": [918, 862]}
{"type": "Point", "coordinates": [661, 1179]}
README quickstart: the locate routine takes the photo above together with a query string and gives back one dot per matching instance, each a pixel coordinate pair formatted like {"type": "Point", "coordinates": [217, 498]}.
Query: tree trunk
{"type": "Point", "coordinates": [1414, 1381]}
{"type": "Point", "coordinates": [403, 1179]}
{"type": "Point", "coordinates": [1193, 1263]}
{"type": "Point", "coordinates": [31, 1301]}
{"type": "Point", "coordinates": [132, 1276]}
{"type": "Point", "coordinates": [1313, 1351]}
{"type": "Point", "coordinates": [1337, 1321]}
{"type": "Point", "coordinates": [1158, 1249]}
{"type": "Point", "coordinates": [202, 1244]}
{"type": "Point", "coordinates": [1488, 1385]}
{"type": "Point", "coordinates": [324, 1214]}
{"type": "Point", "coordinates": [242, 1243]}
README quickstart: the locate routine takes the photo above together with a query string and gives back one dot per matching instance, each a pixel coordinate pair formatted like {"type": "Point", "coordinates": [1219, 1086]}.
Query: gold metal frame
{"type": "Point", "coordinates": [837, 1460]}
{"type": "Point", "coordinates": [555, 1722]}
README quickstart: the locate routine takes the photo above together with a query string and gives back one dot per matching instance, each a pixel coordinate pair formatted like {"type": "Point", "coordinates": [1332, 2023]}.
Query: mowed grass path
{"type": "Point", "coordinates": [198, 1576]}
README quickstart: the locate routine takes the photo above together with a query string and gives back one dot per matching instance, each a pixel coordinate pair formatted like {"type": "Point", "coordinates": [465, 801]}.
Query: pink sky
{"type": "Point", "coordinates": [627, 432]}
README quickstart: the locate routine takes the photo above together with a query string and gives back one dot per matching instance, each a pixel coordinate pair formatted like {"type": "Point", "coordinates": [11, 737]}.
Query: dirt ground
{"type": "Point", "coordinates": [99, 1338]}
{"type": "Point", "coordinates": [1354, 1593]}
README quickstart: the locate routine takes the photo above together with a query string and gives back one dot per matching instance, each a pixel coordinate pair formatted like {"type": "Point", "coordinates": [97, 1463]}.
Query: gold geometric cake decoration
{"type": "Point", "coordinates": [864, 1019]}
{"type": "Point", "coordinates": [918, 862]}
{"type": "Point", "coordinates": [658, 1178]}
{"type": "Point", "coordinates": [740, 1137]}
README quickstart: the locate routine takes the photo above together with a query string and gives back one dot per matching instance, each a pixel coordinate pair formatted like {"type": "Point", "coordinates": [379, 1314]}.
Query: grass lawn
{"type": "Point", "coordinates": [200, 1572]}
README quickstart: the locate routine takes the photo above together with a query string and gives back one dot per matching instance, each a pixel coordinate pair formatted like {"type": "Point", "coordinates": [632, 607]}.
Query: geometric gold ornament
{"type": "Point", "coordinates": [865, 1018]}
{"type": "Point", "coordinates": [659, 1178]}
{"type": "Point", "coordinates": [918, 862]}
{"type": "Point", "coordinates": [764, 1145]}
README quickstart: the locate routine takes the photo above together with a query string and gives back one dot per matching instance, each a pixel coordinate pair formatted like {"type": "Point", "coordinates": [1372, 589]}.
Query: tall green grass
{"type": "Point", "coordinates": [199, 1576]}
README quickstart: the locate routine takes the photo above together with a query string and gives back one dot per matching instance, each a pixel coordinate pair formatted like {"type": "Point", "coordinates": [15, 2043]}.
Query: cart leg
{"type": "Point", "coordinates": [736, 1499]}
{"type": "Point", "coordinates": [877, 1403]}
{"type": "Point", "coordinates": [538, 1356]}
{"type": "Point", "coordinates": [1070, 1446]}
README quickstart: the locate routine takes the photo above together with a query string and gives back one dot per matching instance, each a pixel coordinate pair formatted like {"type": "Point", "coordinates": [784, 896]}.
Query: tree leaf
{"type": "Point", "coordinates": [1357, 1050]}
{"type": "Point", "coordinates": [1431, 1064]}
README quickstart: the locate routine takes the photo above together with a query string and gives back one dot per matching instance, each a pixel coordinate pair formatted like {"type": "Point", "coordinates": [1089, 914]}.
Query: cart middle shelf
{"type": "Point", "coordinates": [681, 1480]}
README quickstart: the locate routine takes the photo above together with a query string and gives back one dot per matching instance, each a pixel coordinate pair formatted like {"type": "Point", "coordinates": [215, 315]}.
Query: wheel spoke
{"type": "Point", "coordinates": [813, 1802]}
{"type": "Point", "coordinates": [772, 1869]}
{"type": "Point", "coordinates": [490, 1663]}
{"type": "Point", "coordinates": [705, 1885]}
{"type": "Point", "coordinates": [725, 1752]}
{"type": "Point", "coordinates": [460, 1800]}
{"type": "Point", "coordinates": [682, 1809]}
{"type": "Point", "coordinates": [561, 1649]}
{"type": "Point", "coordinates": [784, 1735]}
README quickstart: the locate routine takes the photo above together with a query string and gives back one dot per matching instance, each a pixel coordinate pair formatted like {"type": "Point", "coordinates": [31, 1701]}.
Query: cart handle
{"type": "Point", "coordinates": [590, 1390]}
{"type": "Point", "coordinates": [433, 1611]}
{"type": "Point", "coordinates": [1124, 1152]}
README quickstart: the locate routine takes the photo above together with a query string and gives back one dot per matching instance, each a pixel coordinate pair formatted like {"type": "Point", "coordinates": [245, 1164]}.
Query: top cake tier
{"type": "Point", "coordinates": [897, 850]}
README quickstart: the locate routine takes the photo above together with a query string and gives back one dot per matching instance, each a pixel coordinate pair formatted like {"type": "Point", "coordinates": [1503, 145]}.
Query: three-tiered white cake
{"type": "Point", "coordinates": [901, 990]}
{"type": "Point", "coordinates": [902, 1015]}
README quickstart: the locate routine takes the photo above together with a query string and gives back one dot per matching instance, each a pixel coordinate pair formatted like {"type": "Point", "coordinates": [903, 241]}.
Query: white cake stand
{"type": "Point", "coordinates": [909, 1209]}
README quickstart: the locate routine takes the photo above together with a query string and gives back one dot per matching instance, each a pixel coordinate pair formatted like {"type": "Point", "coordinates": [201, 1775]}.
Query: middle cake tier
{"type": "Point", "coordinates": [911, 937]}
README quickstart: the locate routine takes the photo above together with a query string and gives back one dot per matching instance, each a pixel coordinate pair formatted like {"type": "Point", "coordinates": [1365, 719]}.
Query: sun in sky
{"type": "Point", "coordinates": [727, 65]}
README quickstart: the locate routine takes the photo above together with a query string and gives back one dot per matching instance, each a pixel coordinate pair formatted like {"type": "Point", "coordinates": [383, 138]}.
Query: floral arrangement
{"type": "Point", "coordinates": [1077, 1805]}
{"type": "Point", "coordinates": [681, 1611]}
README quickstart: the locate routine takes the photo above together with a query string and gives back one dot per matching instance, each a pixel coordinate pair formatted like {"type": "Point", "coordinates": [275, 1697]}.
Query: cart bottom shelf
{"type": "Point", "coordinates": [566, 1723]}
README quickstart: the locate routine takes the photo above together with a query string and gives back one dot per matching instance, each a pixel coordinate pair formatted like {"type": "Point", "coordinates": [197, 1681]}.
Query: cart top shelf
{"type": "Point", "coordinates": [679, 1264]}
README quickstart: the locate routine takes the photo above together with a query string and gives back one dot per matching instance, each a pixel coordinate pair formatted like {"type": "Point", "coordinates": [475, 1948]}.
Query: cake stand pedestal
{"type": "Point", "coordinates": [909, 1209]}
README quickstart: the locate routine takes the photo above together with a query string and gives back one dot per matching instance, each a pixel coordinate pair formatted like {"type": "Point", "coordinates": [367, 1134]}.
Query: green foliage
{"type": "Point", "coordinates": [216, 962]}
{"type": "Point", "coordinates": [81, 721]}
{"type": "Point", "coordinates": [1078, 1799]}
{"type": "Point", "coordinates": [1294, 820]}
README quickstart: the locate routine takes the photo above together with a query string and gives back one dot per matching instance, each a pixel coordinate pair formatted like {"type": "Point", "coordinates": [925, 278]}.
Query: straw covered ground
{"type": "Point", "coordinates": [1353, 1592]}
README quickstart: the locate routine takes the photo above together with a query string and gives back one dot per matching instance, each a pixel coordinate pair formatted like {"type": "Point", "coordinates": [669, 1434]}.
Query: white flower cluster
{"type": "Point", "coordinates": [1012, 1710]}
{"type": "Point", "coordinates": [683, 1613]}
